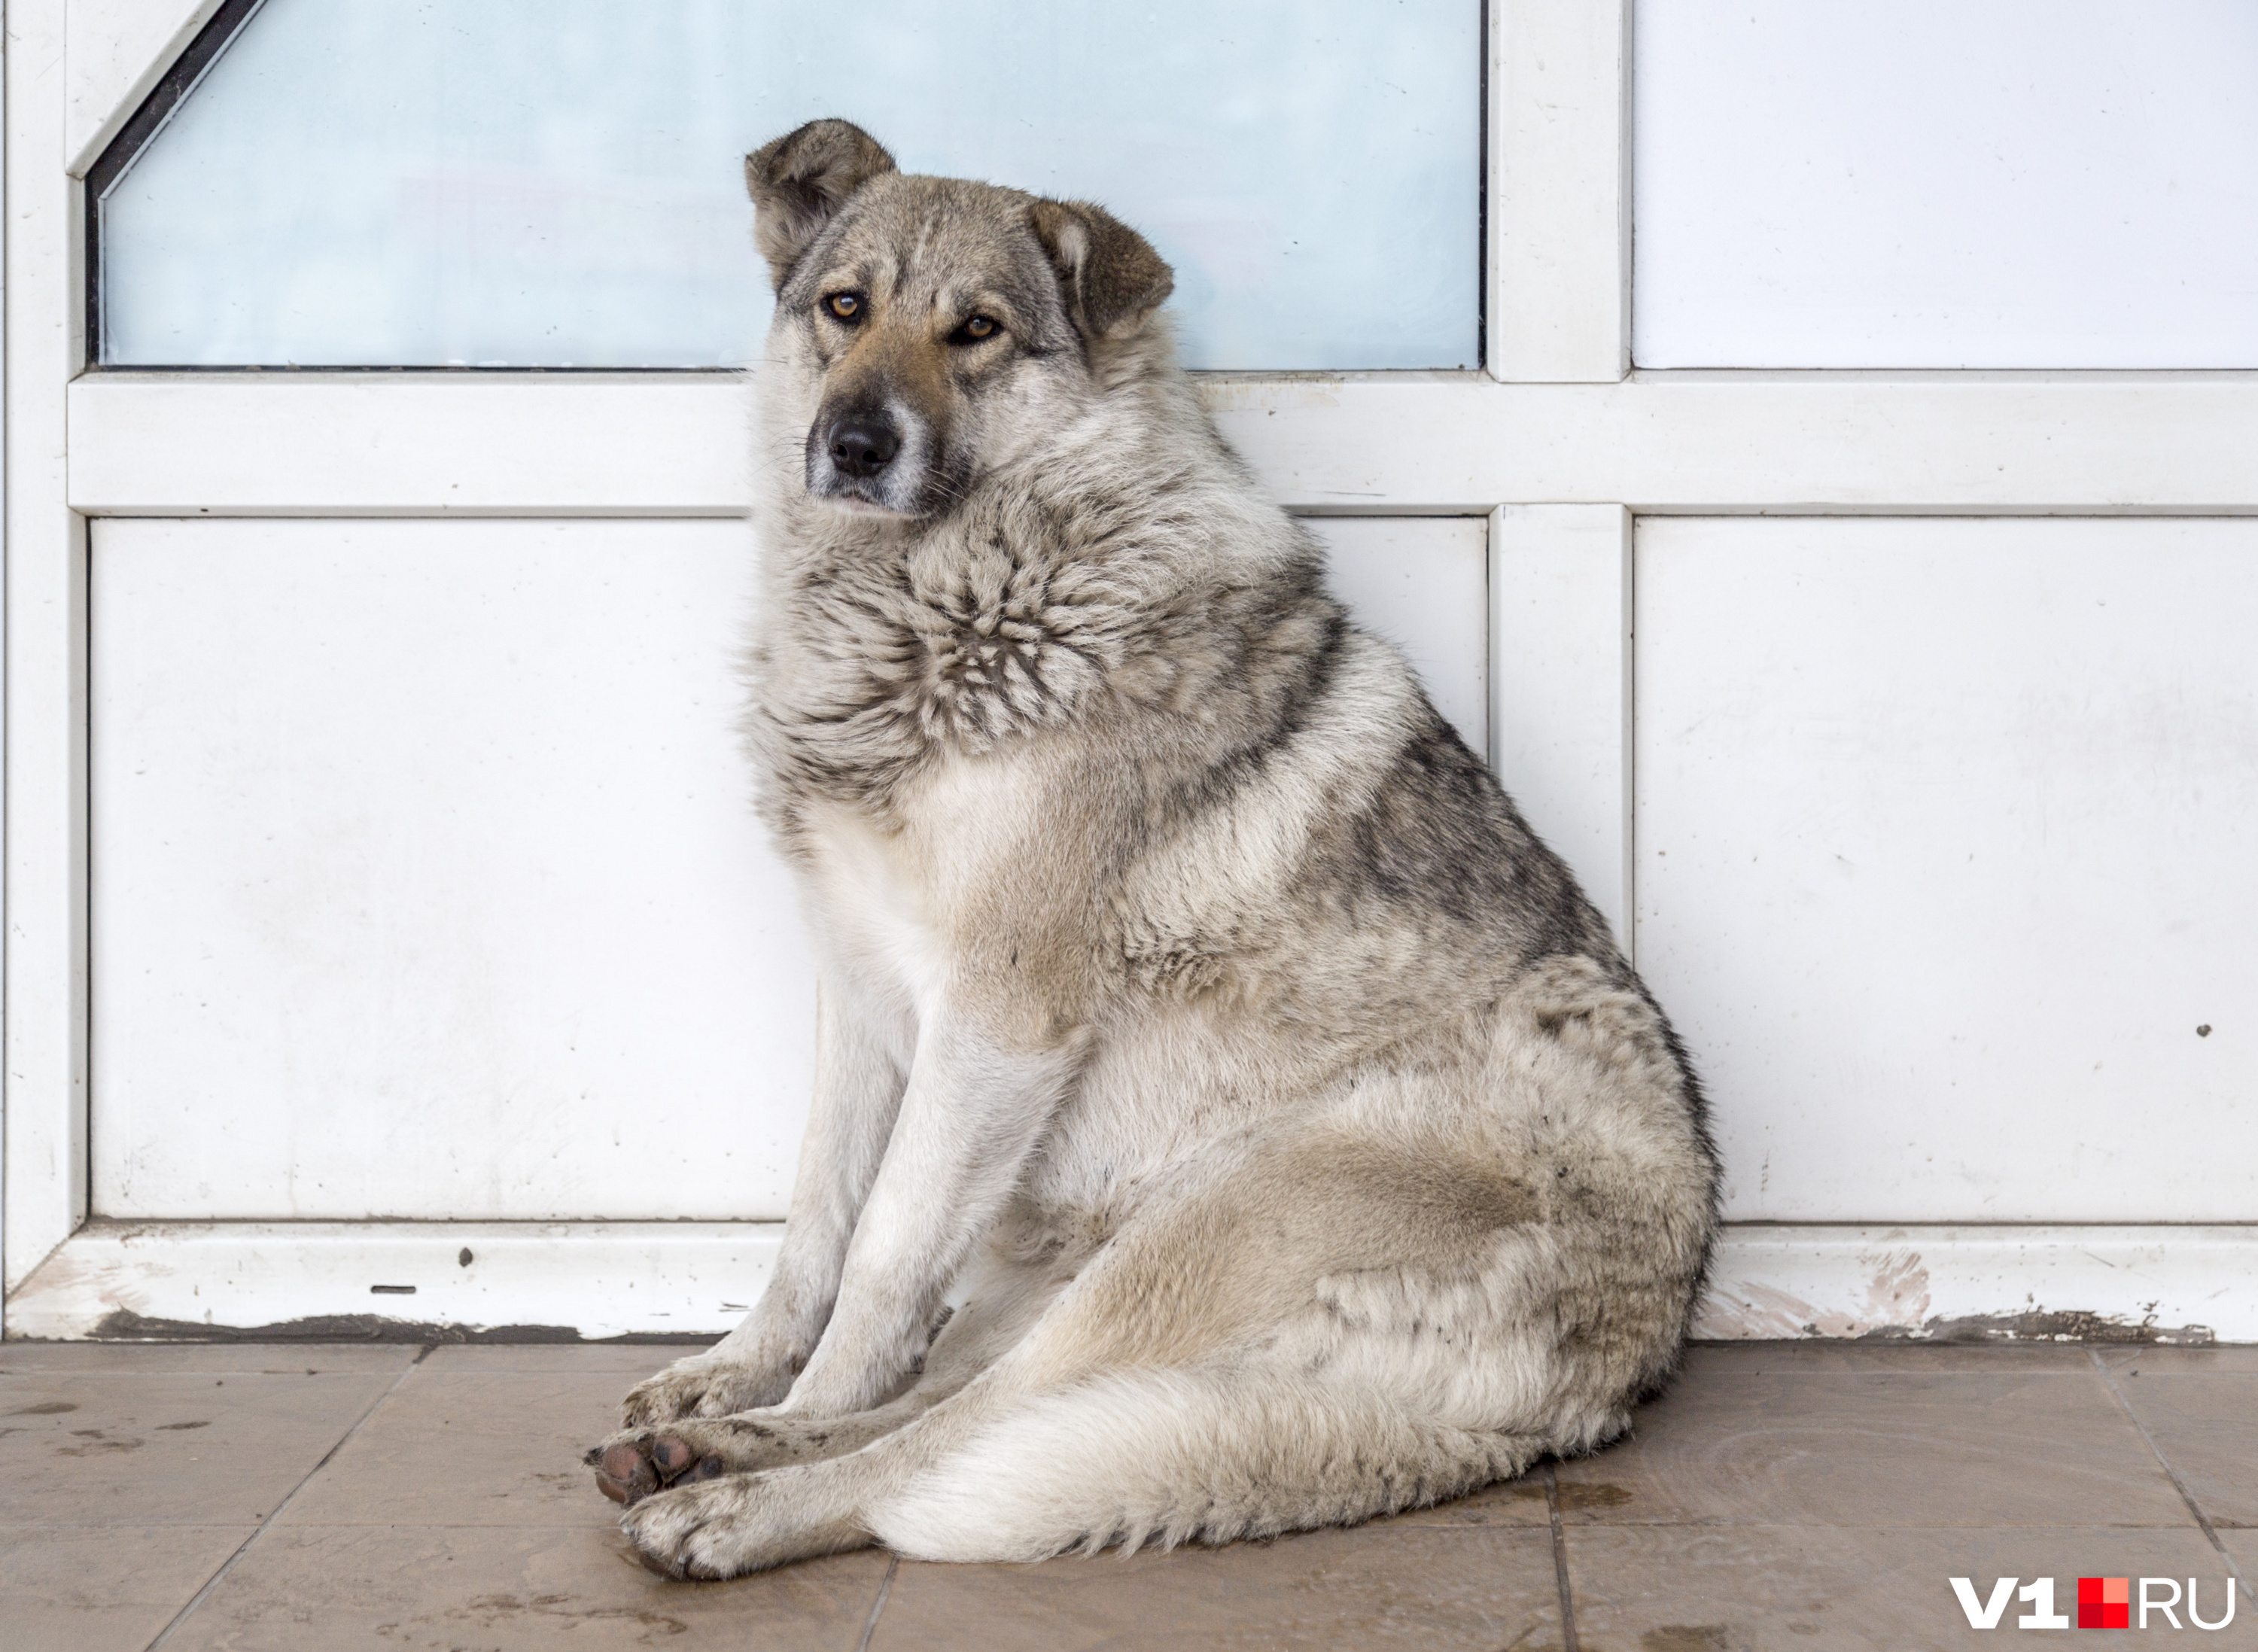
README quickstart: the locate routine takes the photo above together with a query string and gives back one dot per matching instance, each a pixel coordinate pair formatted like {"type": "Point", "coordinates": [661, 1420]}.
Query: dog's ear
{"type": "Point", "coordinates": [1113, 278]}
{"type": "Point", "coordinates": [798, 182]}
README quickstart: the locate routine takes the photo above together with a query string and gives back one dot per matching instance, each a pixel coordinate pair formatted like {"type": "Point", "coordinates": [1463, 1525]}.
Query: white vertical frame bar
{"type": "Point", "coordinates": [7, 148]}
{"type": "Point", "coordinates": [1560, 686]}
{"type": "Point", "coordinates": [44, 814]}
{"type": "Point", "coordinates": [1559, 295]}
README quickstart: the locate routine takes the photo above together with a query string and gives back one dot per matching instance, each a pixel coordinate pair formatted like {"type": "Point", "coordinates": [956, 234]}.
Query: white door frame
{"type": "Point", "coordinates": [1555, 439]}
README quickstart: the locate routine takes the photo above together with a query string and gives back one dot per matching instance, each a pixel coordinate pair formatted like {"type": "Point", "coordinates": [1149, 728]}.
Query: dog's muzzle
{"type": "Point", "coordinates": [875, 455]}
{"type": "Point", "coordinates": [861, 445]}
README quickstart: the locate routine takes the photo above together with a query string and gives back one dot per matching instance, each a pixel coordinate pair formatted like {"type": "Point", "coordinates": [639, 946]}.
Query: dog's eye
{"type": "Point", "coordinates": [847, 306]}
{"type": "Point", "coordinates": [978, 328]}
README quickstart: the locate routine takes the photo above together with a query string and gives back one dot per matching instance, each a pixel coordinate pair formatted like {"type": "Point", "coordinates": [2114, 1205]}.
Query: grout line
{"type": "Point", "coordinates": [1568, 1642]}
{"type": "Point", "coordinates": [228, 1566]}
{"type": "Point", "coordinates": [2109, 1381]}
{"type": "Point", "coordinates": [886, 1588]}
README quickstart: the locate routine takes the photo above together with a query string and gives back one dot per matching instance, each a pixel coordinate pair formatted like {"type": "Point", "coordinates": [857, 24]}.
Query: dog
{"type": "Point", "coordinates": [1229, 1118]}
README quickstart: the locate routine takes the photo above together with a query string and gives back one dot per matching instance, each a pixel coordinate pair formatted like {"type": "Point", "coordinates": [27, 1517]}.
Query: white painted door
{"type": "Point", "coordinates": [384, 907]}
{"type": "Point", "coordinates": [424, 893]}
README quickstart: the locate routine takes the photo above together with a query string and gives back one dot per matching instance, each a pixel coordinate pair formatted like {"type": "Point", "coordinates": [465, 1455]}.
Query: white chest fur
{"type": "Point", "coordinates": [889, 903]}
{"type": "Point", "coordinates": [875, 908]}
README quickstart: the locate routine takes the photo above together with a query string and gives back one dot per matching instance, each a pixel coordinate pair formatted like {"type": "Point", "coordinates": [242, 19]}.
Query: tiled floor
{"type": "Point", "coordinates": [1811, 1496]}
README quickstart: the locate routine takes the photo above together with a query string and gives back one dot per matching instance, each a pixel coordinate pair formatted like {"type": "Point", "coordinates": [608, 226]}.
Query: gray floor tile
{"type": "Point", "coordinates": [468, 1589]}
{"type": "Point", "coordinates": [1816, 1589]}
{"type": "Point", "coordinates": [2206, 1426]}
{"type": "Point", "coordinates": [1918, 1447]}
{"type": "Point", "coordinates": [1382, 1585]}
{"type": "Point", "coordinates": [1805, 1495]}
{"type": "Point", "coordinates": [169, 1447]}
{"type": "Point", "coordinates": [2214, 1361]}
{"type": "Point", "coordinates": [82, 1589]}
{"type": "Point", "coordinates": [631, 1362]}
{"type": "Point", "coordinates": [471, 1447]}
{"type": "Point", "coordinates": [1819, 1356]}
{"type": "Point", "coordinates": [1510, 1503]}
{"type": "Point", "coordinates": [219, 1359]}
{"type": "Point", "coordinates": [2243, 1546]}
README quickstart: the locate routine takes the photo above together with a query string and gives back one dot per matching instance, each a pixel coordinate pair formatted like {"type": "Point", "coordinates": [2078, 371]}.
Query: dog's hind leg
{"type": "Point", "coordinates": [1398, 1342]}
{"type": "Point", "coordinates": [1087, 1433]}
{"type": "Point", "coordinates": [1129, 1458]}
{"type": "Point", "coordinates": [1174, 1456]}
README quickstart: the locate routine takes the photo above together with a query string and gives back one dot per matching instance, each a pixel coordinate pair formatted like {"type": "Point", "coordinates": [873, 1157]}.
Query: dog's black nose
{"type": "Point", "coordinates": [861, 445]}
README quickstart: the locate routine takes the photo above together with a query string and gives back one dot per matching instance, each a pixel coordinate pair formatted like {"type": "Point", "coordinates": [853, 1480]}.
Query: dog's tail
{"type": "Point", "coordinates": [1184, 1456]}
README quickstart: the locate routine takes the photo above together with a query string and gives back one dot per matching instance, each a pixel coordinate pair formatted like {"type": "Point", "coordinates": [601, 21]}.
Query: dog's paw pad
{"type": "Point", "coordinates": [628, 1471]}
{"type": "Point", "coordinates": [624, 1474]}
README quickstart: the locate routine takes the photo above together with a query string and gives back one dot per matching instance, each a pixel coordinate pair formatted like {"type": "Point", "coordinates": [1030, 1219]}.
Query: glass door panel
{"type": "Point", "coordinates": [558, 182]}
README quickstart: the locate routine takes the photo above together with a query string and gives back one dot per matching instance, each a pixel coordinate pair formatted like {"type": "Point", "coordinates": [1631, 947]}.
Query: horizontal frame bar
{"type": "Point", "coordinates": [437, 444]}
{"type": "Point", "coordinates": [563, 1281]}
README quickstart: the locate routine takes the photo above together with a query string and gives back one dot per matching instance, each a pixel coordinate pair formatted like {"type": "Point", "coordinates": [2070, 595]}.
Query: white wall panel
{"type": "Point", "coordinates": [1560, 599]}
{"type": "Point", "coordinates": [1945, 834]}
{"type": "Point", "coordinates": [425, 881]}
{"type": "Point", "coordinates": [1925, 183]}
{"type": "Point", "coordinates": [1424, 584]}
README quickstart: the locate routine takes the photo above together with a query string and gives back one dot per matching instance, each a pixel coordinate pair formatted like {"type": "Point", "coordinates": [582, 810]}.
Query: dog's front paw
{"type": "Point", "coordinates": [638, 1461]}
{"type": "Point", "coordinates": [702, 1386]}
{"type": "Point", "coordinates": [728, 1527]}
{"type": "Point", "coordinates": [635, 1463]}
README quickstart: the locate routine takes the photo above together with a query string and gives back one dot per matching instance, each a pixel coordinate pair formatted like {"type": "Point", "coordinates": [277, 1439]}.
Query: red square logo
{"type": "Point", "coordinates": [2104, 1603]}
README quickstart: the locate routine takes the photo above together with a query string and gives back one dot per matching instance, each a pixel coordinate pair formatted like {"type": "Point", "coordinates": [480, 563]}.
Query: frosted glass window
{"type": "Point", "coordinates": [1935, 183]}
{"type": "Point", "coordinates": [559, 183]}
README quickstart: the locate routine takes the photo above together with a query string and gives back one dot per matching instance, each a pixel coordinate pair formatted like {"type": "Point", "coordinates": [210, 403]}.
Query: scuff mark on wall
{"type": "Point", "coordinates": [1896, 1297]}
{"type": "Point", "coordinates": [125, 1326]}
{"type": "Point", "coordinates": [2124, 1286]}
{"type": "Point", "coordinates": [1897, 1293]}
{"type": "Point", "coordinates": [1758, 1314]}
{"type": "Point", "coordinates": [2065, 1325]}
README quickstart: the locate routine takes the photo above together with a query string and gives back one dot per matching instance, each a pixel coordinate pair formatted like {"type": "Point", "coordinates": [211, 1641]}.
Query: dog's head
{"type": "Point", "coordinates": [929, 328]}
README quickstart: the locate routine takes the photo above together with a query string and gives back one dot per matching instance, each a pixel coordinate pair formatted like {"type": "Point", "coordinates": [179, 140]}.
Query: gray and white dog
{"type": "Point", "coordinates": [1199, 1020]}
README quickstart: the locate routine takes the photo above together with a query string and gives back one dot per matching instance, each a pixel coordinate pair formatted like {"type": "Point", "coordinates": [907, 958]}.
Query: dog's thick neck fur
{"type": "Point", "coordinates": [1126, 553]}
